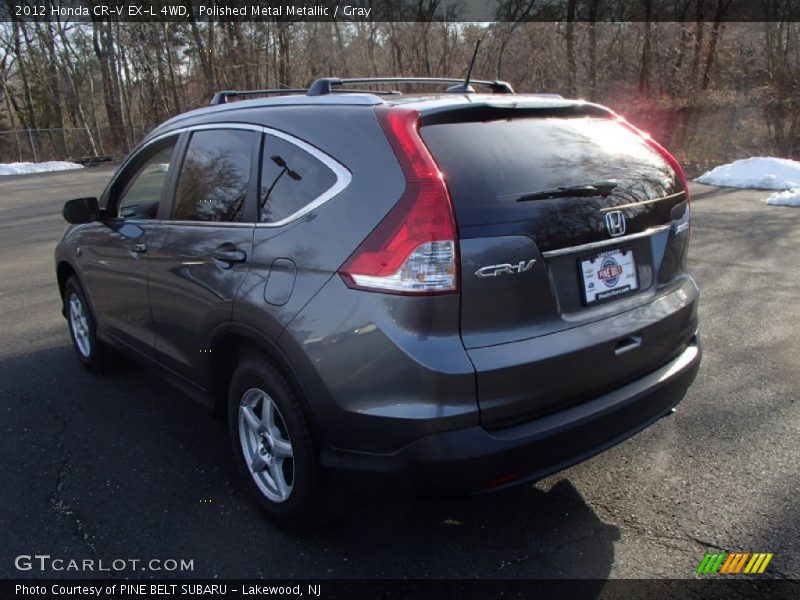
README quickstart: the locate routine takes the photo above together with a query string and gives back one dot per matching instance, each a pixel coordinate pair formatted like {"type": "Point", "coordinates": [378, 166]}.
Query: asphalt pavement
{"type": "Point", "coordinates": [124, 467]}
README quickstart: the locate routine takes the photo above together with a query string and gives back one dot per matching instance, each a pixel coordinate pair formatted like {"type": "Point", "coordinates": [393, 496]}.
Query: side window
{"type": "Point", "coordinates": [291, 178]}
{"type": "Point", "coordinates": [214, 176]}
{"type": "Point", "coordinates": [141, 195]}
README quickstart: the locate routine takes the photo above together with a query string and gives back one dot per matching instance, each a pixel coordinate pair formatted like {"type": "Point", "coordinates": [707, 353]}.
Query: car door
{"type": "Point", "coordinates": [115, 269]}
{"type": "Point", "coordinates": [200, 254]}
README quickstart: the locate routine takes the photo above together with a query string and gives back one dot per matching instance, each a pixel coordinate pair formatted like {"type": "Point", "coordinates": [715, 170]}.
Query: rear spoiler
{"type": "Point", "coordinates": [491, 111]}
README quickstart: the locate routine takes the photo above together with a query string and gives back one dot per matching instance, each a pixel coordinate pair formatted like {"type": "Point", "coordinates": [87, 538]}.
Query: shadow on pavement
{"type": "Point", "coordinates": [701, 191]}
{"type": "Point", "coordinates": [519, 533]}
{"type": "Point", "coordinates": [124, 466]}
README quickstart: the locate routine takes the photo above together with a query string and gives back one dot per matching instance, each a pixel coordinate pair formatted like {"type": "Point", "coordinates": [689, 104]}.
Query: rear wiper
{"type": "Point", "coordinates": [600, 188]}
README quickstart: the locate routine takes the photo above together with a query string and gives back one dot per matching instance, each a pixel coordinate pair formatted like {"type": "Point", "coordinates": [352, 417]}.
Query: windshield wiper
{"type": "Point", "coordinates": [600, 188]}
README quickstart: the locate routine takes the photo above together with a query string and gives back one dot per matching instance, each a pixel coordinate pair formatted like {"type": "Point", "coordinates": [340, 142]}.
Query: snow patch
{"type": "Point", "coordinates": [760, 172]}
{"type": "Point", "coordinates": [22, 168]}
{"type": "Point", "coordinates": [787, 198]}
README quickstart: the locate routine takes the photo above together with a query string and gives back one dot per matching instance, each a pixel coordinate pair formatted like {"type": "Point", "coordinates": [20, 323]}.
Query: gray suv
{"type": "Point", "coordinates": [460, 291]}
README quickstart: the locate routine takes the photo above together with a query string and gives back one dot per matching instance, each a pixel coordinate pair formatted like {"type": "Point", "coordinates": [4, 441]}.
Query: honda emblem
{"type": "Point", "coordinates": [615, 223]}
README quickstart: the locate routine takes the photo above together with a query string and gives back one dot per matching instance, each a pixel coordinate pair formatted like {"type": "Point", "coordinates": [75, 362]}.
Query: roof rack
{"type": "Point", "coordinates": [329, 85]}
{"type": "Point", "coordinates": [325, 85]}
{"type": "Point", "coordinates": [222, 97]}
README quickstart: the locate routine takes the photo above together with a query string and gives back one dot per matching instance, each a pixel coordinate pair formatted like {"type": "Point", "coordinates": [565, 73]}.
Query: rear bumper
{"type": "Point", "coordinates": [474, 459]}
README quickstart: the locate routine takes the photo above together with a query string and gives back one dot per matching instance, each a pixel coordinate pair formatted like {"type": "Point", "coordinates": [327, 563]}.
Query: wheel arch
{"type": "Point", "coordinates": [225, 351]}
{"type": "Point", "coordinates": [64, 270]}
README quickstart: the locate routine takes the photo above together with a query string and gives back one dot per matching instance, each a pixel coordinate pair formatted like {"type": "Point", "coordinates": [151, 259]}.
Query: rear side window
{"type": "Point", "coordinates": [488, 165]}
{"type": "Point", "coordinates": [291, 179]}
{"type": "Point", "coordinates": [215, 176]}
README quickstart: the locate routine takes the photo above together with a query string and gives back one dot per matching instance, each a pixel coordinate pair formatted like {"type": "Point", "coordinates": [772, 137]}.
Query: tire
{"type": "Point", "coordinates": [95, 355]}
{"type": "Point", "coordinates": [275, 450]}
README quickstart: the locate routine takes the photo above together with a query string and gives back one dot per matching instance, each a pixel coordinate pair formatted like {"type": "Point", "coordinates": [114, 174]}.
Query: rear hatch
{"type": "Point", "coordinates": [566, 218]}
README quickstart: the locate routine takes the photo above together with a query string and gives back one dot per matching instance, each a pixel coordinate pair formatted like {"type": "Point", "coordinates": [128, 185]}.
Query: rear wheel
{"type": "Point", "coordinates": [93, 354]}
{"type": "Point", "coordinates": [266, 447]}
{"type": "Point", "coordinates": [274, 448]}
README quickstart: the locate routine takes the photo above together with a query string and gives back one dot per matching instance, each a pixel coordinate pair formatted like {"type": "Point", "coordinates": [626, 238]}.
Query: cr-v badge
{"type": "Point", "coordinates": [505, 269]}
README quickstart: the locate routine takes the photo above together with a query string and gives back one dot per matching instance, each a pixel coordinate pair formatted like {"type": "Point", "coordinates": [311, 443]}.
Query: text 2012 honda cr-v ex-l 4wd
{"type": "Point", "coordinates": [457, 290]}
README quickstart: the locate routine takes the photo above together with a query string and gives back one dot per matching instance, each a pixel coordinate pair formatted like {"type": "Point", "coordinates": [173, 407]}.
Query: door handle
{"type": "Point", "coordinates": [628, 344]}
{"type": "Point", "coordinates": [139, 248]}
{"type": "Point", "coordinates": [229, 256]}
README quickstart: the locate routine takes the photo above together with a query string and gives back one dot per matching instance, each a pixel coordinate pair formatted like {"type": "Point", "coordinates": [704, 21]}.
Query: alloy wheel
{"type": "Point", "coordinates": [266, 446]}
{"type": "Point", "coordinates": [79, 324]}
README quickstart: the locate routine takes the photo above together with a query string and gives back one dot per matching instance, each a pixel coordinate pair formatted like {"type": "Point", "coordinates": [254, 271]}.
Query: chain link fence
{"type": "Point", "coordinates": [70, 143]}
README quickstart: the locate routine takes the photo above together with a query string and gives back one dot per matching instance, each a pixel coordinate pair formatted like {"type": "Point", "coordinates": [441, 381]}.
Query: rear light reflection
{"type": "Point", "coordinates": [684, 224]}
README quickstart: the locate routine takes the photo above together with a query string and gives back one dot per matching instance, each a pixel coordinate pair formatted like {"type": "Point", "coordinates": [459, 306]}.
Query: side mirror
{"type": "Point", "coordinates": [81, 210]}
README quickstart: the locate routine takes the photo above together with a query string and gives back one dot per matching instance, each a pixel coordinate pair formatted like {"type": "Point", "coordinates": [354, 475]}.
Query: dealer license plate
{"type": "Point", "coordinates": [608, 275]}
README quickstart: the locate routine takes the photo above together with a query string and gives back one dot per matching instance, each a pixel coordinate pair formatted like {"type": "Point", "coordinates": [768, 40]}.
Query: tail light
{"type": "Point", "coordinates": [683, 225]}
{"type": "Point", "coordinates": [413, 250]}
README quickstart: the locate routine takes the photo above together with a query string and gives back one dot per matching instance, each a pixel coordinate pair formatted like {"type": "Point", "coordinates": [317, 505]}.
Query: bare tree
{"type": "Point", "coordinates": [112, 81]}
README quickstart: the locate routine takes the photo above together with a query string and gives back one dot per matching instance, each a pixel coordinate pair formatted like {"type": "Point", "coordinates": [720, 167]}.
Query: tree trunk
{"type": "Point", "coordinates": [644, 71]}
{"type": "Point", "coordinates": [698, 40]}
{"type": "Point", "coordinates": [342, 59]}
{"type": "Point", "coordinates": [127, 98]}
{"type": "Point", "coordinates": [72, 76]}
{"type": "Point", "coordinates": [571, 66]}
{"type": "Point", "coordinates": [174, 85]}
{"type": "Point", "coordinates": [722, 7]}
{"type": "Point", "coordinates": [284, 61]}
{"type": "Point", "coordinates": [676, 81]}
{"type": "Point", "coordinates": [242, 51]}
{"type": "Point", "coordinates": [102, 39]}
{"type": "Point", "coordinates": [594, 6]}
{"type": "Point", "coordinates": [203, 55]}
{"type": "Point", "coordinates": [55, 121]}
{"type": "Point", "coordinates": [27, 117]}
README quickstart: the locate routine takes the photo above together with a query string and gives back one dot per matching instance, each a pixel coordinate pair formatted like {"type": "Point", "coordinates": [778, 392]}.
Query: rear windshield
{"type": "Point", "coordinates": [488, 165]}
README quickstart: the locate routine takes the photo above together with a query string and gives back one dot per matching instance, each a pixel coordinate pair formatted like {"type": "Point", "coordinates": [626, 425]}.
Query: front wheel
{"type": "Point", "coordinates": [93, 354]}
{"type": "Point", "coordinates": [274, 448]}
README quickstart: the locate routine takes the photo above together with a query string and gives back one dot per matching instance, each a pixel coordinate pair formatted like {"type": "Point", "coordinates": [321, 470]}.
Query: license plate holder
{"type": "Point", "coordinates": [608, 275]}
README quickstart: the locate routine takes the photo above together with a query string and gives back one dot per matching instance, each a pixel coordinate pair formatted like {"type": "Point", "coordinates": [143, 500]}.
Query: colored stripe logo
{"type": "Point", "coordinates": [734, 563]}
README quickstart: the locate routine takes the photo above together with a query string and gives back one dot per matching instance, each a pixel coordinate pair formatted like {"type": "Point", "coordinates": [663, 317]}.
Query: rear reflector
{"type": "Point", "coordinates": [413, 250]}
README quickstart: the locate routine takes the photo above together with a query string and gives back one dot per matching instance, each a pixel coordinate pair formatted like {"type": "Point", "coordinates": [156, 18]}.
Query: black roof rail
{"type": "Point", "coordinates": [324, 86]}
{"type": "Point", "coordinates": [222, 97]}
{"type": "Point", "coordinates": [376, 92]}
